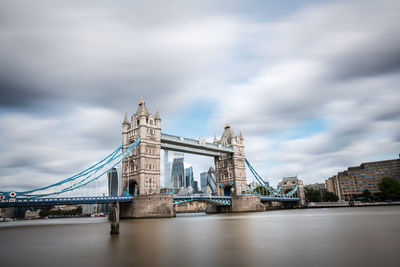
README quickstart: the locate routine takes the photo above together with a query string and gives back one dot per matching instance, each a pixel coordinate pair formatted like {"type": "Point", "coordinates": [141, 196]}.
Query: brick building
{"type": "Point", "coordinates": [351, 183]}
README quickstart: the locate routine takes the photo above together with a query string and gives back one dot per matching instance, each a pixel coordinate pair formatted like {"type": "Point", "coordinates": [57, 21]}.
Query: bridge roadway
{"type": "Point", "coordinates": [29, 202]}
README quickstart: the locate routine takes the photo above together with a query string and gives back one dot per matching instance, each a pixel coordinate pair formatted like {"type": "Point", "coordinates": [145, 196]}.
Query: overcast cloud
{"type": "Point", "coordinates": [314, 86]}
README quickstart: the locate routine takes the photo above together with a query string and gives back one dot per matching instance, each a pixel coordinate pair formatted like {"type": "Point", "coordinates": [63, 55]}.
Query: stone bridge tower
{"type": "Point", "coordinates": [141, 169]}
{"type": "Point", "coordinates": [230, 169]}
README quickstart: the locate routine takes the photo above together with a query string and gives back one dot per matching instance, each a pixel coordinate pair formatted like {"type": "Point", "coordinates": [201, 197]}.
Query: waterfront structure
{"type": "Point", "coordinates": [321, 187]}
{"type": "Point", "coordinates": [350, 184]}
{"type": "Point", "coordinates": [141, 169]}
{"type": "Point", "coordinates": [289, 183]}
{"type": "Point", "coordinates": [140, 180]}
{"type": "Point", "coordinates": [230, 169]}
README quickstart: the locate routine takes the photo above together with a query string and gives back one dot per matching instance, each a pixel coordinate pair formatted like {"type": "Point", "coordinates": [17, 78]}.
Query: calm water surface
{"type": "Point", "coordinates": [368, 236]}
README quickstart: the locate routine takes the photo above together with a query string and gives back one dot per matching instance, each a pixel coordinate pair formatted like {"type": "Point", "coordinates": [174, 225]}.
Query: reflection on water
{"type": "Point", "coordinates": [313, 237]}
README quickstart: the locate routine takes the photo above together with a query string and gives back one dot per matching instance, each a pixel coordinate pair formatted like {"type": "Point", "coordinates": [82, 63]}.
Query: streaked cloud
{"type": "Point", "coordinates": [313, 86]}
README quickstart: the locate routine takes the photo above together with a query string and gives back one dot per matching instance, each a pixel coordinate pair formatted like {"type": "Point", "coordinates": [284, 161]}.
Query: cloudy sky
{"type": "Point", "coordinates": [314, 86]}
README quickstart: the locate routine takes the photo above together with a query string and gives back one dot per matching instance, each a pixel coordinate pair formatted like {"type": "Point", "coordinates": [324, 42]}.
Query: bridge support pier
{"type": "Point", "coordinates": [114, 218]}
{"type": "Point", "coordinates": [238, 204]}
{"type": "Point", "coordinates": [149, 206]}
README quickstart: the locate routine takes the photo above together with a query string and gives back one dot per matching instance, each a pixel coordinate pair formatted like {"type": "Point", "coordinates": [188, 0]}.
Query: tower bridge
{"type": "Point", "coordinates": [142, 141]}
{"type": "Point", "coordinates": [141, 169]}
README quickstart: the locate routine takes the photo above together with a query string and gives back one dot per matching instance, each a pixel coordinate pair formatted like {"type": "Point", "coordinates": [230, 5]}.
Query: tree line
{"type": "Point", "coordinates": [60, 213]}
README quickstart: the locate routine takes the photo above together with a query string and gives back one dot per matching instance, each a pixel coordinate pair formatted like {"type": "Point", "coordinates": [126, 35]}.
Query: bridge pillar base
{"type": "Point", "coordinates": [239, 204]}
{"type": "Point", "coordinates": [247, 203]}
{"type": "Point", "coordinates": [148, 206]}
{"type": "Point", "coordinates": [114, 218]}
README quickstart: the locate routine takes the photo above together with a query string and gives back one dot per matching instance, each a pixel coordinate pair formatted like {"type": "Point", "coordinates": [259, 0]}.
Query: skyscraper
{"type": "Point", "coordinates": [188, 174]}
{"type": "Point", "coordinates": [203, 181]}
{"type": "Point", "coordinates": [167, 170]}
{"type": "Point", "coordinates": [177, 173]}
{"type": "Point", "coordinates": [208, 179]}
{"type": "Point", "coordinates": [169, 159]}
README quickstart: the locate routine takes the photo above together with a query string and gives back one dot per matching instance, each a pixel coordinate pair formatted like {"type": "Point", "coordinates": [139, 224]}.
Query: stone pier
{"type": "Point", "coordinates": [113, 216]}
{"type": "Point", "coordinates": [148, 206]}
{"type": "Point", "coordinates": [239, 204]}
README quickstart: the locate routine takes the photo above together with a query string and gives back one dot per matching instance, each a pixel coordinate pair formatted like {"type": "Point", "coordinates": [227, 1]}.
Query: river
{"type": "Point", "coordinates": [364, 236]}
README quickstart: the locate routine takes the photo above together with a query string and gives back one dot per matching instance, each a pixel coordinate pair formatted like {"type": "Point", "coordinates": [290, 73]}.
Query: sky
{"type": "Point", "coordinates": [314, 86]}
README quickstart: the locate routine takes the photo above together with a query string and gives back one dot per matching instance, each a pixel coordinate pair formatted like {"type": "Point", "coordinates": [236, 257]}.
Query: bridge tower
{"type": "Point", "coordinates": [141, 169]}
{"type": "Point", "coordinates": [230, 168]}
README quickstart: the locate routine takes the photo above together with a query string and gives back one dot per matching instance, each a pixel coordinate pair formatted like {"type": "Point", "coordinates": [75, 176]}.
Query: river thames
{"type": "Point", "coordinates": [365, 236]}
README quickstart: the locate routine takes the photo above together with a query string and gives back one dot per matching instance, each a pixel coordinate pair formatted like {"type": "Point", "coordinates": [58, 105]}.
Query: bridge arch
{"type": "Point", "coordinates": [228, 190]}
{"type": "Point", "coordinates": [132, 187]}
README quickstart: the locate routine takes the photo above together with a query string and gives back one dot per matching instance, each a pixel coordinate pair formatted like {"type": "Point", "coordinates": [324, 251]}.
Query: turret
{"type": "Point", "coordinates": [157, 118]}
{"type": "Point", "coordinates": [125, 127]}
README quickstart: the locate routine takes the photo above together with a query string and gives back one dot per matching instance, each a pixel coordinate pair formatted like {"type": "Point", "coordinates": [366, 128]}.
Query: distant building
{"type": "Point", "coordinates": [351, 183]}
{"type": "Point", "coordinates": [169, 159]}
{"type": "Point", "coordinates": [167, 170]}
{"type": "Point", "coordinates": [188, 175]}
{"type": "Point", "coordinates": [321, 187]}
{"type": "Point", "coordinates": [181, 174]}
{"type": "Point", "coordinates": [208, 181]}
{"type": "Point", "coordinates": [32, 214]}
{"type": "Point", "coordinates": [211, 180]}
{"type": "Point", "coordinates": [288, 183]}
{"type": "Point", "coordinates": [113, 182]}
{"type": "Point", "coordinates": [177, 173]}
{"type": "Point", "coordinates": [203, 181]}
{"type": "Point", "coordinates": [195, 186]}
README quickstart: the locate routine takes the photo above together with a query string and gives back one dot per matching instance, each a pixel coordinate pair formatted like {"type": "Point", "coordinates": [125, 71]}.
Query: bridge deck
{"type": "Point", "coordinates": [194, 146]}
{"type": "Point", "coordinates": [280, 199]}
{"type": "Point", "coordinates": [29, 202]}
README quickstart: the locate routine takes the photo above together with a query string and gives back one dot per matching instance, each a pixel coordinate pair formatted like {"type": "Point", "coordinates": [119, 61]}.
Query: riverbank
{"type": "Point", "coordinates": [350, 204]}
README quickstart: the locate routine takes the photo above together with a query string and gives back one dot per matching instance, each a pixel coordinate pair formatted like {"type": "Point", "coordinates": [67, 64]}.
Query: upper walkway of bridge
{"type": "Point", "coordinates": [193, 146]}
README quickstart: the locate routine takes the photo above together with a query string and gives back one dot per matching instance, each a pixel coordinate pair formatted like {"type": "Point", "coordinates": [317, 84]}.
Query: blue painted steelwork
{"type": "Point", "coordinates": [87, 176]}
{"type": "Point", "coordinates": [32, 202]}
{"type": "Point", "coordinates": [280, 199]}
{"type": "Point", "coordinates": [226, 201]}
{"type": "Point", "coordinates": [273, 192]}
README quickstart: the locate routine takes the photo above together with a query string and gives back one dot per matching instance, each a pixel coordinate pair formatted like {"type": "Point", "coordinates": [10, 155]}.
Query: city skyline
{"type": "Point", "coordinates": [312, 85]}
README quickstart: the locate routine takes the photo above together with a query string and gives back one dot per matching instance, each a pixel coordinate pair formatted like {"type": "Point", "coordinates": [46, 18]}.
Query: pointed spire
{"type": "Point", "coordinates": [240, 135]}
{"type": "Point", "coordinates": [157, 115]}
{"type": "Point", "coordinates": [215, 138]}
{"type": "Point", "coordinates": [126, 119]}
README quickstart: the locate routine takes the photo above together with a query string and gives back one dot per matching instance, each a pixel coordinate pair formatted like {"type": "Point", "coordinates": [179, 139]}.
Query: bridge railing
{"type": "Point", "coordinates": [194, 142]}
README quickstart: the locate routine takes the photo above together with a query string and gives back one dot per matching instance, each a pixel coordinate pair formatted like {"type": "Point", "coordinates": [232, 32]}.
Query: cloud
{"type": "Point", "coordinates": [70, 70]}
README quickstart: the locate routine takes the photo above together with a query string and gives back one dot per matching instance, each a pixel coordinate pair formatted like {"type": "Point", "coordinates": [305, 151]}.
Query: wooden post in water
{"type": "Point", "coordinates": [114, 218]}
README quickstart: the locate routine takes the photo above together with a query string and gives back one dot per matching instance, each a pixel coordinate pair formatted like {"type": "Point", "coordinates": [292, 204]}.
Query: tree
{"type": "Point", "coordinates": [330, 197]}
{"type": "Point", "coordinates": [390, 188]}
{"type": "Point", "coordinates": [367, 195]}
{"type": "Point", "coordinates": [261, 190]}
{"type": "Point", "coordinates": [313, 195]}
